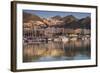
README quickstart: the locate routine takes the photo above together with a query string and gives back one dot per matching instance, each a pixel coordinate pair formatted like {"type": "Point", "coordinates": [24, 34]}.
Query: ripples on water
{"type": "Point", "coordinates": [57, 51]}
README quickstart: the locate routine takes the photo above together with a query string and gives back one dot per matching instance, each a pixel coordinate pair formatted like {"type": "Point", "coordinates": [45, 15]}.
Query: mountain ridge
{"type": "Point", "coordinates": [69, 21]}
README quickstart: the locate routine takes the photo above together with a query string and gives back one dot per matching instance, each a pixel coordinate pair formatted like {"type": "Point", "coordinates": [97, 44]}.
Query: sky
{"type": "Point", "coordinates": [48, 14]}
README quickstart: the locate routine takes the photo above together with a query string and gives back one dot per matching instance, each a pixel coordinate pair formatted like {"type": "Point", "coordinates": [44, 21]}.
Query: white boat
{"type": "Point", "coordinates": [49, 39]}
{"type": "Point", "coordinates": [64, 39]}
{"type": "Point", "coordinates": [57, 39]}
{"type": "Point", "coordinates": [73, 39]}
{"type": "Point", "coordinates": [84, 38]}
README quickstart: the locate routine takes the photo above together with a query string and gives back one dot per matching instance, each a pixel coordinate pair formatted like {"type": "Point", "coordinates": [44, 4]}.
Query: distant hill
{"type": "Point", "coordinates": [27, 17]}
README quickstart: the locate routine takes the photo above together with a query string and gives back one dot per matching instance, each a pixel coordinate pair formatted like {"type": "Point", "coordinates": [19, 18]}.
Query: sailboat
{"type": "Point", "coordinates": [64, 38]}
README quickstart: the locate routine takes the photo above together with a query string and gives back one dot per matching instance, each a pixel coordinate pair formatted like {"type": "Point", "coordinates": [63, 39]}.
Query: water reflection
{"type": "Point", "coordinates": [56, 51]}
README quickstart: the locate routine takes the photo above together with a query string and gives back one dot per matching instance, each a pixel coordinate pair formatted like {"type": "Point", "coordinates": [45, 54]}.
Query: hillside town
{"type": "Point", "coordinates": [36, 29]}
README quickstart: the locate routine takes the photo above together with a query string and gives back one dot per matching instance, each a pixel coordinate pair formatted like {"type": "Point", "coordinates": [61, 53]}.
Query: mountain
{"type": "Point", "coordinates": [27, 17]}
{"type": "Point", "coordinates": [69, 19]}
{"type": "Point", "coordinates": [57, 17]}
{"type": "Point", "coordinates": [85, 22]}
{"type": "Point", "coordinates": [72, 22]}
